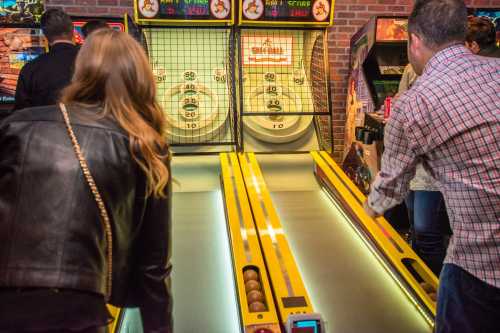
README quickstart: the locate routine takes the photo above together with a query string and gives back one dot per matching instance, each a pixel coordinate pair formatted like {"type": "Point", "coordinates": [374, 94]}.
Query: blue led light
{"type": "Point", "coordinates": [308, 324]}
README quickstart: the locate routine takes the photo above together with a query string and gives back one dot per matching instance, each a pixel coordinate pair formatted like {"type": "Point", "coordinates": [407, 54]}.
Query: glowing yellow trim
{"type": "Point", "coordinates": [242, 21]}
{"type": "Point", "coordinates": [125, 22]}
{"type": "Point", "coordinates": [229, 21]}
{"type": "Point", "coordinates": [136, 15]}
{"type": "Point", "coordinates": [165, 22]}
{"type": "Point", "coordinates": [354, 198]}
{"type": "Point", "coordinates": [332, 12]}
{"type": "Point", "coordinates": [115, 312]}
{"type": "Point", "coordinates": [273, 239]}
{"type": "Point", "coordinates": [232, 181]}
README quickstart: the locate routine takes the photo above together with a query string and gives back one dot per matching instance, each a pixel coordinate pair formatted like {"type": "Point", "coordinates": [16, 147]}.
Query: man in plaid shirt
{"type": "Point", "coordinates": [450, 121]}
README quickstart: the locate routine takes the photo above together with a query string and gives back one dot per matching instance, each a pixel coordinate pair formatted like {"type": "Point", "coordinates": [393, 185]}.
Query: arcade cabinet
{"type": "Point", "coordinates": [378, 58]}
{"type": "Point", "coordinates": [294, 190]}
{"type": "Point", "coordinates": [283, 71]}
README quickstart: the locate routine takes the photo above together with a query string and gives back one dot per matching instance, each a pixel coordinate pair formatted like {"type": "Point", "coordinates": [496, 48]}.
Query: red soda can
{"type": "Point", "coordinates": [387, 107]}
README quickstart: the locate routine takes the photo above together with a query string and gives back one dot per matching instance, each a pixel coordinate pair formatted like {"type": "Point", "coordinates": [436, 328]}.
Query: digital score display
{"type": "Point", "coordinates": [189, 10]}
{"type": "Point", "coordinates": [292, 11]}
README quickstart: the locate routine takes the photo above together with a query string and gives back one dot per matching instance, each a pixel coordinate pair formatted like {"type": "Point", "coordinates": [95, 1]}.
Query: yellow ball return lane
{"type": "Point", "coordinates": [257, 307]}
{"type": "Point", "coordinates": [321, 257]}
{"type": "Point", "coordinates": [410, 268]}
{"type": "Point", "coordinates": [293, 303]}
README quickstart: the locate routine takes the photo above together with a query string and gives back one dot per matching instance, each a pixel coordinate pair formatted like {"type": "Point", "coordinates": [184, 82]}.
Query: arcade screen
{"type": "Point", "coordinates": [392, 30]}
{"type": "Point", "coordinates": [17, 47]}
{"type": "Point", "coordinates": [78, 24]}
{"type": "Point", "coordinates": [391, 58]}
{"type": "Point", "coordinates": [21, 11]}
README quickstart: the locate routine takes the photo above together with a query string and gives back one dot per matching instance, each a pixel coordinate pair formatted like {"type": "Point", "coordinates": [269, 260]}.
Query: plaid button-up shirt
{"type": "Point", "coordinates": [450, 121]}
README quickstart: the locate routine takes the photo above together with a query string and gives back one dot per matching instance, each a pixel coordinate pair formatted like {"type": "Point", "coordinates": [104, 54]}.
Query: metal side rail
{"type": "Point", "coordinates": [257, 308]}
{"type": "Point", "coordinates": [409, 271]}
{"type": "Point", "coordinates": [294, 306]}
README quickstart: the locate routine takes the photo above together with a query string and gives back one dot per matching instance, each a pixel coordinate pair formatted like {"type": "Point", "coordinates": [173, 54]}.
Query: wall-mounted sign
{"type": "Point", "coordinates": [183, 10]}
{"type": "Point", "coordinates": [267, 50]}
{"type": "Point", "coordinates": [319, 12]}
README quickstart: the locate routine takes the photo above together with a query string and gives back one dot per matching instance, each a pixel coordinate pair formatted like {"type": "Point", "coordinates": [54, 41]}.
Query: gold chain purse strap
{"type": "Point", "coordinates": [98, 199]}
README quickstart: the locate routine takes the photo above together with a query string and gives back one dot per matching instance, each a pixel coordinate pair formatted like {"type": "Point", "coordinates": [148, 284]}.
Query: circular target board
{"type": "Point", "coordinates": [193, 111]}
{"type": "Point", "coordinates": [277, 127]}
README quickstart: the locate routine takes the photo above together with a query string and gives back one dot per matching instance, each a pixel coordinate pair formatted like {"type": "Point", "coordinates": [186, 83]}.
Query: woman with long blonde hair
{"type": "Point", "coordinates": [85, 199]}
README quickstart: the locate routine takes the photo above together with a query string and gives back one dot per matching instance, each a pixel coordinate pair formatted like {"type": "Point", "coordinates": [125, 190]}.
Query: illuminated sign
{"type": "Point", "coordinates": [183, 10]}
{"type": "Point", "coordinates": [267, 50]}
{"type": "Point", "coordinates": [292, 11]}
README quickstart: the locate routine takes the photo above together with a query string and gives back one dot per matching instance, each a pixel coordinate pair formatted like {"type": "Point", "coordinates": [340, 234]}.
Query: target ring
{"type": "Point", "coordinates": [192, 111]}
{"type": "Point", "coordinates": [278, 127]}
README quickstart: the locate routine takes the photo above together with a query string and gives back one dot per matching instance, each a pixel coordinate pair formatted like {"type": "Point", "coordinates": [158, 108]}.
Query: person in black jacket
{"type": "Point", "coordinates": [41, 80]}
{"type": "Point", "coordinates": [54, 256]}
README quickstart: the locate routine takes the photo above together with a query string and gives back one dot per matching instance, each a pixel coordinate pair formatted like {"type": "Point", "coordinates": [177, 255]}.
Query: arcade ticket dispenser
{"type": "Point", "coordinates": [378, 59]}
{"type": "Point", "coordinates": [189, 46]}
{"type": "Point", "coordinates": [21, 40]}
{"type": "Point", "coordinates": [283, 73]}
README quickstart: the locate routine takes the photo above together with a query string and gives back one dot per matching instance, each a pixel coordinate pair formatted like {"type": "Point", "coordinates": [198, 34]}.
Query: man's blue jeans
{"type": "Point", "coordinates": [466, 304]}
{"type": "Point", "coordinates": [428, 218]}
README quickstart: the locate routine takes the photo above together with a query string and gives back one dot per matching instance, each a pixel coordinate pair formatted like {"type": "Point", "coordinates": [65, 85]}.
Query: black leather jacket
{"type": "Point", "coordinates": [50, 234]}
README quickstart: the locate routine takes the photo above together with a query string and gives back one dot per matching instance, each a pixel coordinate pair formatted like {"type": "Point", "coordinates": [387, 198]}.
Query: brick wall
{"type": "Point", "coordinates": [350, 15]}
{"type": "Point", "coordinates": [93, 7]}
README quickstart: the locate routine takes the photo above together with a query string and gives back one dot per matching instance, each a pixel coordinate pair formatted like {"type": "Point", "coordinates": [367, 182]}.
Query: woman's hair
{"type": "Point", "coordinates": [112, 71]}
